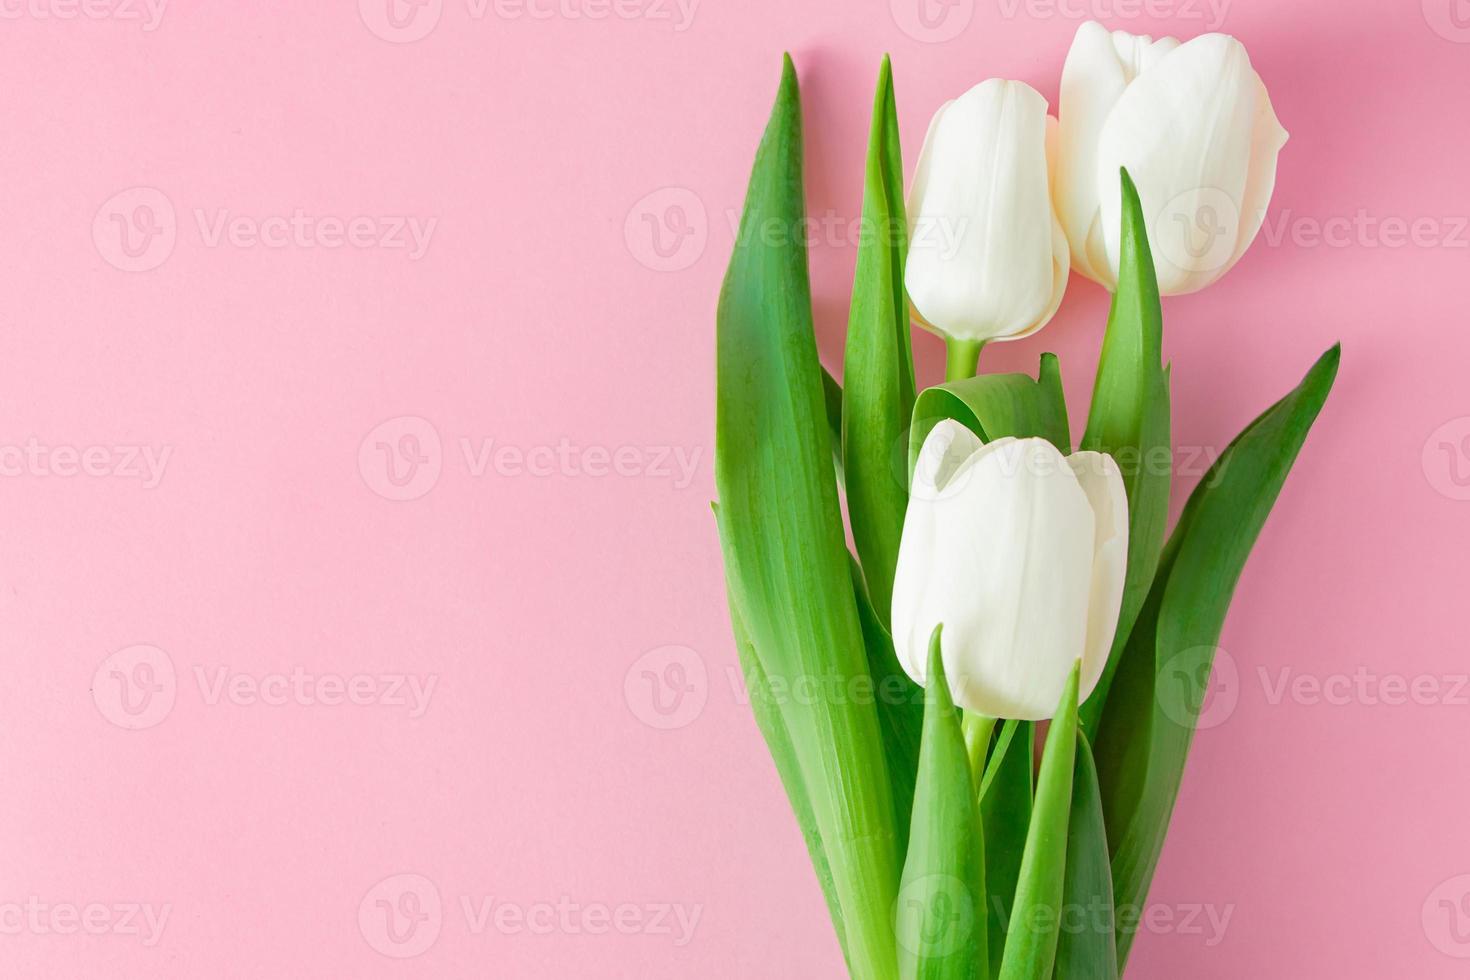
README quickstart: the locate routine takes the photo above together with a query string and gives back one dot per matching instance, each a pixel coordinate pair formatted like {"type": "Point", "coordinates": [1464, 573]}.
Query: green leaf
{"type": "Point", "coordinates": [1005, 812]}
{"type": "Point", "coordinates": [997, 405]}
{"type": "Point", "coordinates": [1086, 949]}
{"type": "Point", "coordinates": [900, 710]}
{"type": "Point", "coordinates": [785, 551]}
{"type": "Point", "coordinates": [1147, 727]}
{"type": "Point", "coordinates": [764, 704]}
{"type": "Point", "coordinates": [941, 933]}
{"type": "Point", "coordinates": [1031, 941]}
{"type": "Point", "coordinates": [832, 402]}
{"type": "Point", "coordinates": [1129, 418]}
{"type": "Point", "coordinates": [878, 370]}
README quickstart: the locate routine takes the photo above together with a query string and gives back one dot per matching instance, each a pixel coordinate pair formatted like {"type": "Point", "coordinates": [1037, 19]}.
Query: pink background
{"type": "Point", "coordinates": [545, 773]}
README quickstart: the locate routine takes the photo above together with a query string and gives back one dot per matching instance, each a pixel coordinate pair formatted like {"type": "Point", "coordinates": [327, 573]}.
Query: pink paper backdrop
{"type": "Point", "coordinates": [362, 614]}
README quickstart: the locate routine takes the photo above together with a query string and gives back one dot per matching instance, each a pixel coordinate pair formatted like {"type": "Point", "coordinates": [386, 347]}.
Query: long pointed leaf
{"type": "Point", "coordinates": [941, 932]}
{"type": "Point", "coordinates": [832, 401]}
{"type": "Point", "coordinates": [785, 553]}
{"type": "Point", "coordinates": [1031, 942]}
{"type": "Point", "coordinates": [1129, 418]}
{"type": "Point", "coordinates": [1005, 812]}
{"type": "Point", "coordinates": [878, 371]}
{"type": "Point", "coordinates": [900, 705]}
{"type": "Point", "coordinates": [765, 706]}
{"type": "Point", "coordinates": [1142, 747]}
{"type": "Point", "coordinates": [1087, 949]}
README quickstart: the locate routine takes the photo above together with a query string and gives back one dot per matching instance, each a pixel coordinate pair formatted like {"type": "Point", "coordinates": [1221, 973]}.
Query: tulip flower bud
{"type": "Point", "coordinates": [1020, 552]}
{"type": "Point", "coordinates": [1194, 127]}
{"type": "Point", "coordinates": [987, 259]}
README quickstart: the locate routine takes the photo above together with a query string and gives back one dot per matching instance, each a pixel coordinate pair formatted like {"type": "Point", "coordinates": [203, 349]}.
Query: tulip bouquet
{"type": "Point", "coordinates": [1000, 586]}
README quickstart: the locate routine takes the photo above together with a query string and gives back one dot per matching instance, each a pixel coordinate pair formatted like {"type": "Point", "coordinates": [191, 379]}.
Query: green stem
{"type": "Point", "coordinates": [977, 729]}
{"type": "Point", "coordinates": [960, 358]}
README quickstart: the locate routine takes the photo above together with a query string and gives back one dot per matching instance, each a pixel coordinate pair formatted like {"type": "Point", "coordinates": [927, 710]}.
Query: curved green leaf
{"type": "Point", "coordinates": [1005, 812]}
{"type": "Point", "coordinates": [786, 558]}
{"type": "Point", "coordinates": [900, 705]}
{"type": "Point", "coordinates": [996, 405]}
{"type": "Point", "coordinates": [1031, 941]}
{"type": "Point", "coordinates": [1147, 729]}
{"type": "Point", "coordinates": [766, 707]}
{"type": "Point", "coordinates": [940, 925]}
{"type": "Point", "coordinates": [1129, 419]}
{"type": "Point", "coordinates": [832, 402]}
{"type": "Point", "coordinates": [1087, 949]}
{"type": "Point", "coordinates": [878, 370]}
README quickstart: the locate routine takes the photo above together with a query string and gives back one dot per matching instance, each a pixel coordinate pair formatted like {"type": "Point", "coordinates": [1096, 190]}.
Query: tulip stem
{"type": "Point", "coordinates": [961, 358]}
{"type": "Point", "coordinates": [977, 729]}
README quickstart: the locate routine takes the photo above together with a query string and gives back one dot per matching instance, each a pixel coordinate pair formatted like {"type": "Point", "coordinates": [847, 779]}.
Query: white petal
{"type": "Point", "coordinates": [1061, 258]}
{"type": "Point", "coordinates": [1092, 81]}
{"type": "Point", "coordinates": [1006, 564]}
{"type": "Point", "coordinates": [1267, 139]}
{"type": "Point", "coordinates": [947, 446]}
{"type": "Point", "coordinates": [1102, 481]}
{"type": "Point", "coordinates": [1137, 53]}
{"type": "Point", "coordinates": [980, 262]}
{"type": "Point", "coordinates": [1183, 129]}
{"type": "Point", "coordinates": [1099, 67]}
{"type": "Point", "coordinates": [947, 450]}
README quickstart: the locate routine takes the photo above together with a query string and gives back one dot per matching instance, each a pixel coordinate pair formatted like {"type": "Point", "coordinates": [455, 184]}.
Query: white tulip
{"type": "Point", "coordinates": [987, 259]}
{"type": "Point", "coordinates": [1020, 553]}
{"type": "Point", "coordinates": [1193, 125]}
